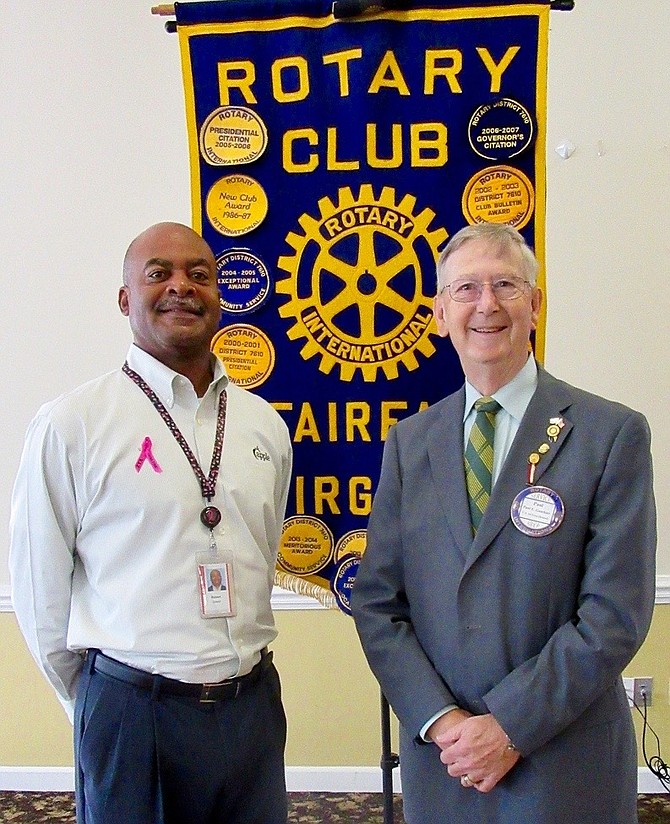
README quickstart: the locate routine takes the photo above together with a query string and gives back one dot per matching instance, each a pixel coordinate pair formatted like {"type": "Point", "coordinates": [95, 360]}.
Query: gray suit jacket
{"type": "Point", "coordinates": [533, 630]}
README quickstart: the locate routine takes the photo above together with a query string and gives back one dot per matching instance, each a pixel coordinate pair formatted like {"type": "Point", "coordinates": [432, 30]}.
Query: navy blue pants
{"type": "Point", "coordinates": [163, 759]}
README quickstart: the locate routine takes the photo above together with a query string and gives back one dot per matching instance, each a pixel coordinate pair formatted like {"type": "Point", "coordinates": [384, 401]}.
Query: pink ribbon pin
{"type": "Point", "coordinates": [147, 455]}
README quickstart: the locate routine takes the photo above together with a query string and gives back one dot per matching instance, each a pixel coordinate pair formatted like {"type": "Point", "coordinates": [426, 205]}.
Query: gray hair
{"type": "Point", "coordinates": [504, 237]}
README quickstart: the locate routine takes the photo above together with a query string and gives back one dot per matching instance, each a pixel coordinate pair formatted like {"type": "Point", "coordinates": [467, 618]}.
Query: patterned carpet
{"type": "Point", "coordinates": [304, 808]}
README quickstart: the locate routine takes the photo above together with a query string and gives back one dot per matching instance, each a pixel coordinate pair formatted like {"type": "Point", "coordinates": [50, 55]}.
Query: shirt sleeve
{"type": "Point", "coordinates": [43, 528]}
{"type": "Point", "coordinates": [277, 512]}
{"type": "Point", "coordinates": [287, 469]}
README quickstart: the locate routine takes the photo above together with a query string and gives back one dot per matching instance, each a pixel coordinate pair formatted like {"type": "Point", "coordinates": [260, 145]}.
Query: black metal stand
{"type": "Point", "coordinates": [389, 761]}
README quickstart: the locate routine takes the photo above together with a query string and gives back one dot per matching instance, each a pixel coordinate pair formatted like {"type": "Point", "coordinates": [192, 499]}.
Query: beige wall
{"type": "Point", "coordinates": [332, 700]}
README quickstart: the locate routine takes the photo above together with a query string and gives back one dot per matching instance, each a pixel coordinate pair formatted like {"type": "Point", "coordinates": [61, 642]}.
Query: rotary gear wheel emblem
{"type": "Point", "coordinates": [355, 285]}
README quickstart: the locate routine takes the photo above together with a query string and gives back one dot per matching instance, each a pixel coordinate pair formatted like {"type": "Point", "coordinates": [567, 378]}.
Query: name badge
{"type": "Point", "coordinates": [216, 588]}
{"type": "Point", "coordinates": [537, 511]}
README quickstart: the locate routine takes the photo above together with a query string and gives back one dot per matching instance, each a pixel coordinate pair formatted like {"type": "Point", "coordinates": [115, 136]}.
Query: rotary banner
{"type": "Point", "coordinates": [331, 158]}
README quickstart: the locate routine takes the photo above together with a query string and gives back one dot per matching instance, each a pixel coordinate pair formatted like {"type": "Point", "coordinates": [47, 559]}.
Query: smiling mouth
{"type": "Point", "coordinates": [182, 308]}
{"type": "Point", "coordinates": [487, 330]}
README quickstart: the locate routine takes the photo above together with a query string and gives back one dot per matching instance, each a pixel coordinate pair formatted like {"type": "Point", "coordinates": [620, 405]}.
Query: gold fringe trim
{"type": "Point", "coordinates": [302, 587]}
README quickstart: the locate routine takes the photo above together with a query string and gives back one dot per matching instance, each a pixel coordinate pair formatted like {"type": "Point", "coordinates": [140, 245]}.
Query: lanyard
{"type": "Point", "coordinates": [210, 515]}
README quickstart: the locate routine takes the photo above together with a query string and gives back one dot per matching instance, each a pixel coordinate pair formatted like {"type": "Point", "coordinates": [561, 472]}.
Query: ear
{"type": "Point", "coordinates": [440, 314]}
{"type": "Point", "coordinates": [535, 306]}
{"type": "Point", "coordinates": [123, 301]}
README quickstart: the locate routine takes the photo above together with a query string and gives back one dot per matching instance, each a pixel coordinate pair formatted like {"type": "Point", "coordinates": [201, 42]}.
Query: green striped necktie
{"type": "Point", "coordinates": [479, 458]}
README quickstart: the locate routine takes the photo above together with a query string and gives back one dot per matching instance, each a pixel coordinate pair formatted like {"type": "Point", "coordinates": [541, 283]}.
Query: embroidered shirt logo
{"type": "Point", "coordinates": [260, 455]}
{"type": "Point", "coordinates": [146, 454]}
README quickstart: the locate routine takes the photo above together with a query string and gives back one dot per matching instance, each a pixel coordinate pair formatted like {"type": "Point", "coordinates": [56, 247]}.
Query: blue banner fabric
{"type": "Point", "coordinates": [331, 159]}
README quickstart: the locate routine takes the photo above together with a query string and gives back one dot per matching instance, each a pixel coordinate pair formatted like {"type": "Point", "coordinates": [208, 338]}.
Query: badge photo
{"type": "Point", "coordinates": [215, 586]}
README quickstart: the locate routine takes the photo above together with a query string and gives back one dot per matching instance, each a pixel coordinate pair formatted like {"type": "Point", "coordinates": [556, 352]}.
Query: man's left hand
{"type": "Point", "coordinates": [477, 751]}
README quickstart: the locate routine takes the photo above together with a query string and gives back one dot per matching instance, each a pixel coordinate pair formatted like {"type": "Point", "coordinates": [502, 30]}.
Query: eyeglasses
{"type": "Point", "coordinates": [469, 291]}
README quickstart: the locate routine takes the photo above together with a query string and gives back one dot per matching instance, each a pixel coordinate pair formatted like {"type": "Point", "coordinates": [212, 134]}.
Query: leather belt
{"type": "Point", "coordinates": [205, 693]}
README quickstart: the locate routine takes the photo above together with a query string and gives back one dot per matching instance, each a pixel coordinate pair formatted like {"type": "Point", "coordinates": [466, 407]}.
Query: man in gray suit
{"type": "Point", "coordinates": [499, 639]}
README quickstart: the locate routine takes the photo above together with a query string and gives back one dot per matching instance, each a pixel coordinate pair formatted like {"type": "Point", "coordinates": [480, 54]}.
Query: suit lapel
{"type": "Point", "coordinates": [551, 400]}
{"type": "Point", "coordinates": [445, 454]}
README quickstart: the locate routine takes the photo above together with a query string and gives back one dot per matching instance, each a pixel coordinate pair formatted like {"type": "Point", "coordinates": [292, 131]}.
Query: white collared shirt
{"type": "Point", "coordinates": [103, 554]}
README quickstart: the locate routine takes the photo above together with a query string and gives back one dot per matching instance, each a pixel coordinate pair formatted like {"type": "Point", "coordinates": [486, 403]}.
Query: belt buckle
{"type": "Point", "coordinates": [204, 695]}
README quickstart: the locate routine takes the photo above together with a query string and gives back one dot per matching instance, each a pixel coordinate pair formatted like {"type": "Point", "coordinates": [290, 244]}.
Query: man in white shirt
{"type": "Point", "coordinates": [130, 489]}
{"type": "Point", "coordinates": [509, 571]}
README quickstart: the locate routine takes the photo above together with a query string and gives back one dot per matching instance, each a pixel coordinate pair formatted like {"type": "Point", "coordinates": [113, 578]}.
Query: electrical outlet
{"type": "Point", "coordinates": [642, 689]}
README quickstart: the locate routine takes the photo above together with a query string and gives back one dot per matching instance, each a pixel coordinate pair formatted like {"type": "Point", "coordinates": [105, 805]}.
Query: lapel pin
{"type": "Point", "coordinates": [538, 510]}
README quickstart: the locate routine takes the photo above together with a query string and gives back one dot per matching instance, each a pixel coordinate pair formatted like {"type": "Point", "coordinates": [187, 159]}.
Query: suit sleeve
{"type": "Point", "coordinates": [381, 611]}
{"type": "Point", "coordinates": [41, 556]}
{"type": "Point", "coordinates": [585, 656]}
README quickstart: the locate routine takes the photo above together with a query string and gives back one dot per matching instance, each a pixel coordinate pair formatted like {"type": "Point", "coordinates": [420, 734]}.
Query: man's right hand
{"type": "Point", "coordinates": [438, 732]}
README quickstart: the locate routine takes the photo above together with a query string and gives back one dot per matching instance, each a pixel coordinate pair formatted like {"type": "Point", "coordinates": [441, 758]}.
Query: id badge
{"type": "Point", "coordinates": [216, 587]}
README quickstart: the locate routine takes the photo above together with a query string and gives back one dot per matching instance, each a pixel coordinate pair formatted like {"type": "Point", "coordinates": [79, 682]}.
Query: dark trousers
{"type": "Point", "coordinates": [162, 759]}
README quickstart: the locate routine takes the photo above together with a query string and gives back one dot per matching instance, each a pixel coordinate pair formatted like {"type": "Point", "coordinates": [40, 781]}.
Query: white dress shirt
{"type": "Point", "coordinates": [104, 555]}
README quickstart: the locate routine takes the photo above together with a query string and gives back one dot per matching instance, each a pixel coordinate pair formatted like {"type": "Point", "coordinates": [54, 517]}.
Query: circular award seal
{"type": "Point", "coordinates": [500, 130]}
{"type": "Point", "coordinates": [499, 194]}
{"type": "Point", "coordinates": [232, 135]}
{"type": "Point", "coordinates": [343, 581]}
{"type": "Point", "coordinates": [537, 511]}
{"type": "Point", "coordinates": [236, 204]}
{"type": "Point", "coordinates": [351, 543]}
{"type": "Point", "coordinates": [247, 352]}
{"type": "Point", "coordinates": [244, 281]}
{"type": "Point", "coordinates": [305, 546]}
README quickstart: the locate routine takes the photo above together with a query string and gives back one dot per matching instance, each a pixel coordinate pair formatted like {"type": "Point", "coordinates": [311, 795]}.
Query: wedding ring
{"type": "Point", "coordinates": [466, 781]}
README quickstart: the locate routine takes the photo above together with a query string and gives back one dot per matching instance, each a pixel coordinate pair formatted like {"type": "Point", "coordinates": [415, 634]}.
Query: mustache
{"type": "Point", "coordinates": [182, 304]}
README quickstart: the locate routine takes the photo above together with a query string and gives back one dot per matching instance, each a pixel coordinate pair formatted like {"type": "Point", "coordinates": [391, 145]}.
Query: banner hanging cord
{"type": "Point", "coordinates": [352, 8]}
{"type": "Point", "coordinates": [349, 8]}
